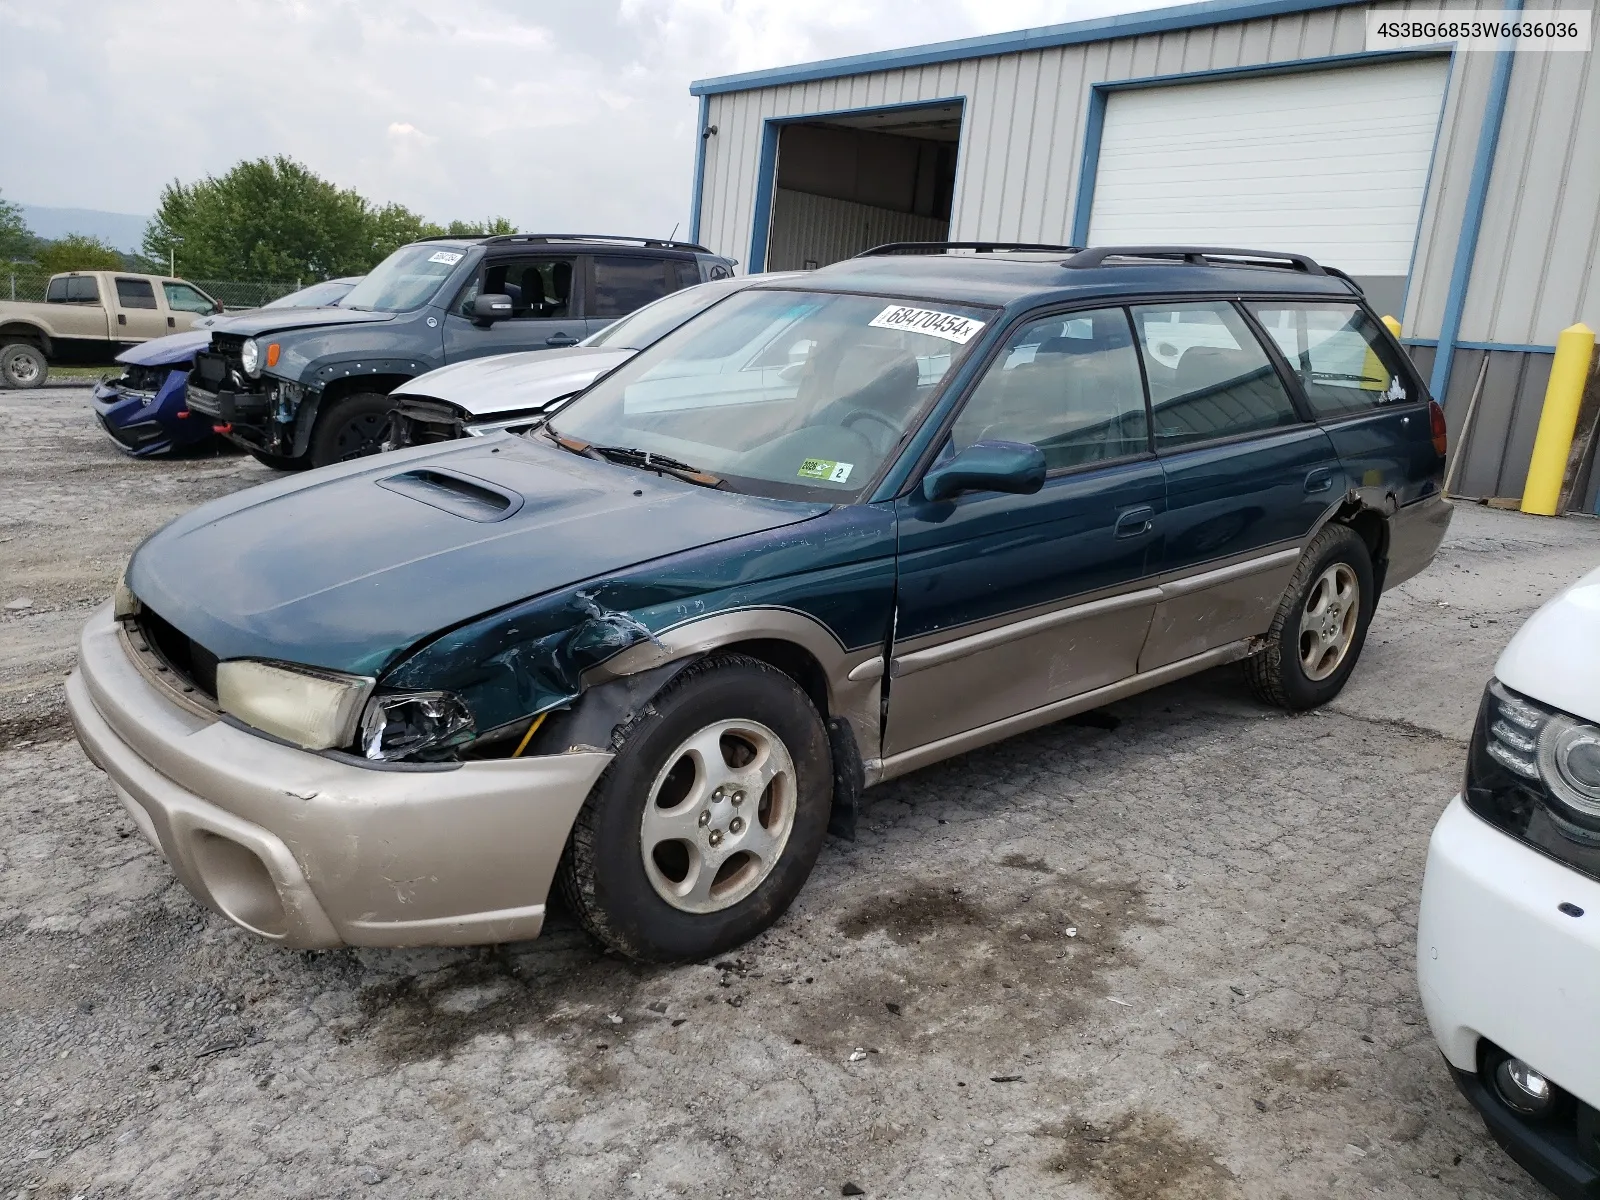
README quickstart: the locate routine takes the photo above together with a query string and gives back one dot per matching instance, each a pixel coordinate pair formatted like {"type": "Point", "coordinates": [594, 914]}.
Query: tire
{"type": "Point", "coordinates": [280, 462]}
{"type": "Point", "coordinates": [705, 892]}
{"type": "Point", "coordinates": [1320, 626]}
{"type": "Point", "coordinates": [23, 365]}
{"type": "Point", "coordinates": [353, 427]}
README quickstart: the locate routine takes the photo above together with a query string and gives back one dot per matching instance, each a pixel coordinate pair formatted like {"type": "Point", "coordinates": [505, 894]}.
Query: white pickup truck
{"type": "Point", "coordinates": [89, 317]}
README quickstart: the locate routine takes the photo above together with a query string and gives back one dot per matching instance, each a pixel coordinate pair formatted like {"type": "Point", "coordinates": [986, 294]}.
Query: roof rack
{"type": "Point", "coordinates": [979, 247]}
{"type": "Point", "coordinates": [1199, 256]}
{"type": "Point", "coordinates": [538, 238]}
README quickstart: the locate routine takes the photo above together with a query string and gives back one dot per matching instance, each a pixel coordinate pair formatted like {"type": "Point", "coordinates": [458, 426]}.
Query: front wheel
{"type": "Point", "coordinates": [707, 823]}
{"type": "Point", "coordinates": [23, 365]}
{"type": "Point", "coordinates": [350, 428]}
{"type": "Point", "coordinates": [1320, 626]}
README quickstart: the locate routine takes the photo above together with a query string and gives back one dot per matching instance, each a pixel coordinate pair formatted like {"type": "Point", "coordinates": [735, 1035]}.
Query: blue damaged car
{"type": "Point", "coordinates": [831, 530]}
{"type": "Point", "coordinates": [145, 409]}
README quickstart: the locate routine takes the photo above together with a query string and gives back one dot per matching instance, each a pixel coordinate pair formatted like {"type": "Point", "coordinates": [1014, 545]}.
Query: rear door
{"type": "Point", "coordinates": [83, 317]}
{"type": "Point", "coordinates": [1010, 603]}
{"type": "Point", "coordinates": [141, 315]}
{"type": "Point", "coordinates": [1248, 476]}
{"type": "Point", "coordinates": [546, 307]}
{"type": "Point", "coordinates": [619, 284]}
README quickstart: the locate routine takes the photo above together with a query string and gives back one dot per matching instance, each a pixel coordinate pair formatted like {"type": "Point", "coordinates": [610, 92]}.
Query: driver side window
{"type": "Point", "coordinates": [538, 287]}
{"type": "Point", "coordinates": [1070, 385]}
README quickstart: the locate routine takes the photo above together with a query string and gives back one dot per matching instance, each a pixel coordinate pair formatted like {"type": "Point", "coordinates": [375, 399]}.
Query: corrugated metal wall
{"type": "Point", "coordinates": [1022, 145]}
{"type": "Point", "coordinates": [825, 230]}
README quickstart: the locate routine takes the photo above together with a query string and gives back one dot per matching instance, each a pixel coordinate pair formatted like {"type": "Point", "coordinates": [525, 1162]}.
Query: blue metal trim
{"type": "Point", "coordinates": [1494, 109]}
{"type": "Point", "coordinates": [1186, 16]}
{"type": "Point", "coordinates": [1507, 347]}
{"type": "Point", "coordinates": [699, 169]}
{"type": "Point", "coordinates": [1093, 127]}
{"type": "Point", "coordinates": [1425, 342]}
{"type": "Point", "coordinates": [1094, 121]}
{"type": "Point", "coordinates": [767, 172]}
{"type": "Point", "coordinates": [766, 183]}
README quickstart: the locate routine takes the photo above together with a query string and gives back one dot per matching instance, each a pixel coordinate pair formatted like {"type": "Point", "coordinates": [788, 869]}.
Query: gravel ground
{"type": "Point", "coordinates": [1161, 951]}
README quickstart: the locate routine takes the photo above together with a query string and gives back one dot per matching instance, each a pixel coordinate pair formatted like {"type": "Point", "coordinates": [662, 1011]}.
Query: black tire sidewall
{"type": "Point", "coordinates": [634, 916]}
{"type": "Point", "coordinates": [279, 462]}
{"type": "Point", "coordinates": [324, 449]}
{"type": "Point", "coordinates": [1347, 547]}
{"type": "Point", "coordinates": [14, 350]}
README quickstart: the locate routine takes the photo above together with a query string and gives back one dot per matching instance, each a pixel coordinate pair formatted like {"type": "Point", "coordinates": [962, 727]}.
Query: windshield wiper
{"type": "Point", "coordinates": [629, 456]}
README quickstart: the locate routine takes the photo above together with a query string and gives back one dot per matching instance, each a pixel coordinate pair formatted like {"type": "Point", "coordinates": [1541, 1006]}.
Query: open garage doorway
{"type": "Point", "coordinates": [848, 182]}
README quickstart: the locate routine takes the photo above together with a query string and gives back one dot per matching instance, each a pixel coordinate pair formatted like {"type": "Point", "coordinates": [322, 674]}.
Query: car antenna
{"type": "Point", "coordinates": [674, 234]}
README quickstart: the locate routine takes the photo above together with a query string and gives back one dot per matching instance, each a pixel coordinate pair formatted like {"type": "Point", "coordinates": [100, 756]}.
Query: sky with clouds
{"type": "Point", "coordinates": [559, 114]}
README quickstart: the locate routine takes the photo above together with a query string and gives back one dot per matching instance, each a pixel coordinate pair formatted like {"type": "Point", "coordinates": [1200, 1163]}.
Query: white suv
{"type": "Point", "coordinates": [1508, 937]}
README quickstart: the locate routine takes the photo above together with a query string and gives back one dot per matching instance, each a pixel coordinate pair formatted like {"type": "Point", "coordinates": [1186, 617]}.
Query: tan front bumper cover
{"type": "Point", "coordinates": [314, 851]}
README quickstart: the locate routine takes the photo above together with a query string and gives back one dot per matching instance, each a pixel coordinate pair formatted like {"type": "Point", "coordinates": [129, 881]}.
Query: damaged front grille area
{"type": "Point", "coordinates": [222, 365]}
{"type": "Point", "coordinates": [144, 379]}
{"type": "Point", "coordinates": [190, 662]}
{"type": "Point", "coordinates": [422, 421]}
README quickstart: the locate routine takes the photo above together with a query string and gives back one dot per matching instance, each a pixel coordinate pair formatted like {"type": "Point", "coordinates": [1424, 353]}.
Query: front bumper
{"type": "Point", "coordinates": [149, 423]}
{"type": "Point", "coordinates": [1498, 961]}
{"type": "Point", "coordinates": [309, 850]}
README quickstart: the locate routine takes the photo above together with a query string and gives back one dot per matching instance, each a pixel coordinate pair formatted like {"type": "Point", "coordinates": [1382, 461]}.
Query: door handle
{"type": "Point", "coordinates": [172, 323]}
{"type": "Point", "coordinates": [122, 318]}
{"type": "Point", "coordinates": [561, 339]}
{"type": "Point", "coordinates": [1134, 522]}
{"type": "Point", "coordinates": [1319, 480]}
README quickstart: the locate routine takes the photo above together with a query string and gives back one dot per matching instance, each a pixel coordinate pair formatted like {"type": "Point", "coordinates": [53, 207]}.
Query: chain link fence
{"type": "Point", "coordinates": [234, 294]}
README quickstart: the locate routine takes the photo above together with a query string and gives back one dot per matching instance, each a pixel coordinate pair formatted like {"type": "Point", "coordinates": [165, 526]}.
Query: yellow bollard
{"type": "Point", "coordinates": [1374, 375]}
{"type": "Point", "coordinates": [1569, 374]}
{"type": "Point", "coordinates": [1392, 325]}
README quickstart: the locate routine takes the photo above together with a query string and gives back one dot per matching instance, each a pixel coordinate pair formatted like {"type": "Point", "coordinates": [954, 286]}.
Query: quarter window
{"type": "Point", "coordinates": [624, 282]}
{"type": "Point", "coordinates": [1343, 361]}
{"type": "Point", "coordinates": [183, 298]}
{"type": "Point", "coordinates": [1070, 385]}
{"type": "Point", "coordinates": [135, 293]}
{"type": "Point", "coordinates": [1209, 376]}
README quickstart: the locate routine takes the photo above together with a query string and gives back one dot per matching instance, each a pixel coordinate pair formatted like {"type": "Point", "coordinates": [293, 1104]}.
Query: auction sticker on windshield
{"type": "Point", "coordinates": [826, 468]}
{"type": "Point", "coordinates": [448, 257]}
{"type": "Point", "coordinates": [949, 326]}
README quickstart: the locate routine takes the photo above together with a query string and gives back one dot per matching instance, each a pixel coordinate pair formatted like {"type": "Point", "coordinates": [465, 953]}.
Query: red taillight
{"type": "Point", "coordinates": [1436, 424]}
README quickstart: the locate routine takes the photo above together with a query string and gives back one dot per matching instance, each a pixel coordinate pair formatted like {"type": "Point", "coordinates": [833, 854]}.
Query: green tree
{"type": "Point", "coordinates": [16, 239]}
{"type": "Point", "coordinates": [276, 219]}
{"type": "Point", "coordinates": [78, 252]}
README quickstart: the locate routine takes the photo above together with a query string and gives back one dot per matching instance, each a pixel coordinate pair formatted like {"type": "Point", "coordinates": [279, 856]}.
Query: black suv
{"type": "Point", "coordinates": [306, 387]}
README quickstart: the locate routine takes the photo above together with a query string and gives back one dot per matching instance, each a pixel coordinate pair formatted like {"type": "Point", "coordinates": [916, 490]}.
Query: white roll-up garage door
{"type": "Point", "coordinates": [1332, 163]}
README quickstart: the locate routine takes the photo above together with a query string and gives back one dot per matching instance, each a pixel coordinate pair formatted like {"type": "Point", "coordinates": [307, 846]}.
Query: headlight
{"type": "Point", "coordinates": [407, 723]}
{"type": "Point", "coordinates": [124, 603]}
{"type": "Point", "coordinates": [312, 708]}
{"type": "Point", "coordinates": [250, 358]}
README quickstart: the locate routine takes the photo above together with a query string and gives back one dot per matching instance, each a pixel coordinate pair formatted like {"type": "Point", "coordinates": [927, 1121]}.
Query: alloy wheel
{"type": "Point", "coordinates": [1328, 621]}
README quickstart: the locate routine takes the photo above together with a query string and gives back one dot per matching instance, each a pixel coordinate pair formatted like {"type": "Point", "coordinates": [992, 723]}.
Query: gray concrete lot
{"type": "Point", "coordinates": [1159, 952]}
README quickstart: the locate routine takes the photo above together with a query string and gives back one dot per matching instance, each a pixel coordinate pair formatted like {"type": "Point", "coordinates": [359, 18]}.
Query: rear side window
{"type": "Point", "coordinates": [72, 289]}
{"type": "Point", "coordinates": [135, 293]}
{"type": "Point", "coordinates": [624, 282]}
{"type": "Point", "coordinates": [686, 273]}
{"type": "Point", "coordinates": [1209, 376]}
{"type": "Point", "coordinates": [1342, 359]}
{"type": "Point", "coordinates": [1070, 385]}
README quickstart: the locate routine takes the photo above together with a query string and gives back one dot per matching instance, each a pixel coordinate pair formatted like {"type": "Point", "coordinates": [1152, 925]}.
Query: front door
{"type": "Point", "coordinates": [1248, 477]}
{"type": "Point", "coordinates": [1010, 603]}
{"type": "Point", "coordinates": [546, 312]}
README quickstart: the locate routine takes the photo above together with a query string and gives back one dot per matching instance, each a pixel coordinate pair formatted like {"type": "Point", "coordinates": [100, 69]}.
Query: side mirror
{"type": "Point", "coordinates": [216, 306]}
{"type": "Point", "coordinates": [490, 307]}
{"type": "Point", "coordinates": [1015, 467]}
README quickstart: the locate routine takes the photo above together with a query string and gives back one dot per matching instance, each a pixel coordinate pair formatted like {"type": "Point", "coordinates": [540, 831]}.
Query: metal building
{"type": "Point", "coordinates": [1461, 189]}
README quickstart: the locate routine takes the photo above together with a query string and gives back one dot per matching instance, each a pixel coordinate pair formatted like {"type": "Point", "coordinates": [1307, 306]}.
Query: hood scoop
{"type": "Point", "coordinates": [456, 493]}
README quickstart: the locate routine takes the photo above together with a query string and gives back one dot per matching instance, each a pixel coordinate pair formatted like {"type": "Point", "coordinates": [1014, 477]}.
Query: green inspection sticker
{"type": "Point", "coordinates": [826, 468]}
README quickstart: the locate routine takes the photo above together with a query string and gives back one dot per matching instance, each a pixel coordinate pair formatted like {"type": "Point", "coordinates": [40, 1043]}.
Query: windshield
{"type": "Point", "coordinates": [660, 317]}
{"type": "Point", "coordinates": [790, 394]}
{"type": "Point", "coordinates": [318, 295]}
{"type": "Point", "coordinates": [407, 279]}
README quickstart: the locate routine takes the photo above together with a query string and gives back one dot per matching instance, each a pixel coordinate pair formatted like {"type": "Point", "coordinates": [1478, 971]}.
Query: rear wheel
{"type": "Point", "coordinates": [23, 365]}
{"type": "Point", "coordinates": [352, 427]}
{"type": "Point", "coordinates": [705, 826]}
{"type": "Point", "coordinates": [1320, 626]}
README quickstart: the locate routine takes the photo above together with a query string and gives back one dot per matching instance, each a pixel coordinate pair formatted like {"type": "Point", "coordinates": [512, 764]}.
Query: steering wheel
{"type": "Point", "coordinates": [867, 414]}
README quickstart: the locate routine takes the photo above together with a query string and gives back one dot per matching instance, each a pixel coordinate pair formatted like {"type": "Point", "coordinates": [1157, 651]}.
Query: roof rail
{"type": "Point", "coordinates": [538, 238]}
{"type": "Point", "coordinates": [1350, 279]}
{"type": "Point", "coordinates": [1198, 256]}
{"type": "Point", "coordinates": [979, 247]}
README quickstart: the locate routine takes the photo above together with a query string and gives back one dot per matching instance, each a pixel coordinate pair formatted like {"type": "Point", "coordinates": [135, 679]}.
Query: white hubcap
{"type": "Point", "coordinates": [1328, 623]}
{"type": "Point", "coordinates": [718, 816]}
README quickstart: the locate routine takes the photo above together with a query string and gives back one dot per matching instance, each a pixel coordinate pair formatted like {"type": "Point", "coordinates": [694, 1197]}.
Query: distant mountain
{"type": "Point", "coordinates": [123, 230]}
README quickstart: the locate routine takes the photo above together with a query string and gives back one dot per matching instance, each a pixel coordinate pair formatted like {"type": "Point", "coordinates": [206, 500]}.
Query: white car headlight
{"type": "Point", "coordinates": [405, 723]}
{"type": "Point", "coordinates": [316, 709]}
{"type": "Point", "coordinates": [250, 358]}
